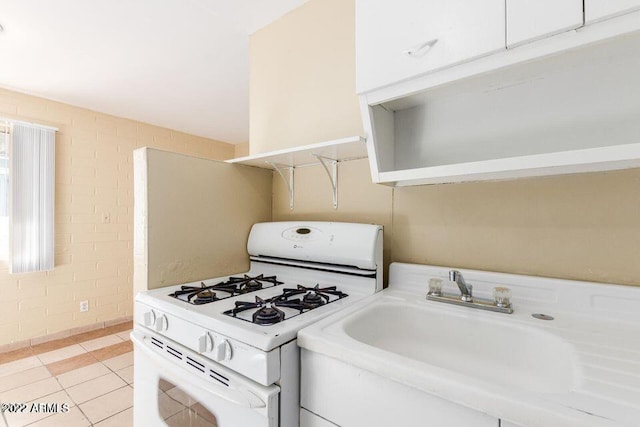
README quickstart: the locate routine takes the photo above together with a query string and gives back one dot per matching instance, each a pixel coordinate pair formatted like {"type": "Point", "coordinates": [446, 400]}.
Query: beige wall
{"type": "Point", "coordinates": [302, 78]}
{"type": "Point", "coordinates": [241, 150]}
{"type": "Point", "coordinates": [196, 219]}
{"type": "Point", "coordinates": [583, 227]}
{"type": "Point", "coordinates": [93, 256]}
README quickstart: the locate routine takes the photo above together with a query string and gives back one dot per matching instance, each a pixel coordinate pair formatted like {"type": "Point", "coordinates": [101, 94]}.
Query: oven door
{"type": "Point", "coordinates": [174, 386]}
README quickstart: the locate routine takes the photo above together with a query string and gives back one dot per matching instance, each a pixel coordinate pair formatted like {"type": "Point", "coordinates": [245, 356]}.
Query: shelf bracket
{"type": "Point", "coordinates": [287, 178]}
{"type": "Point", "coordinates": [332, 173]}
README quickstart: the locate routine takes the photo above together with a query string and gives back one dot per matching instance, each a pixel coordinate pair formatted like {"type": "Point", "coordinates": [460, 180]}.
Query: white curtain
{"type": "Point", "coordinates": [31, 177]}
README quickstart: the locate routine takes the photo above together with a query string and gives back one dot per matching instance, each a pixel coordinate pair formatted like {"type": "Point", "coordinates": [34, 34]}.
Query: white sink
{"type": "Point", "coordinates": [400, 350]}
{"type": "Point", "coordinates": [477, 346]}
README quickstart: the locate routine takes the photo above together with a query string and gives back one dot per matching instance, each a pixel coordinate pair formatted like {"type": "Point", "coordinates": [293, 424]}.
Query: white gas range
{"type": "Point", "coordinates": [222, 351]}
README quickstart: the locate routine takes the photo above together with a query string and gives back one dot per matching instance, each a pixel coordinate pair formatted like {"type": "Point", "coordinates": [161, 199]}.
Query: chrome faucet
{"type": "Point", "coordinates": [501, 296]}
{"type": "Point", "coordinates": [466, 291]}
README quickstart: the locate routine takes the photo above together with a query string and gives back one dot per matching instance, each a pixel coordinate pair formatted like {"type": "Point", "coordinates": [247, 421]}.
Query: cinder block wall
{"type": "Point", "coordinates": [94, 218]}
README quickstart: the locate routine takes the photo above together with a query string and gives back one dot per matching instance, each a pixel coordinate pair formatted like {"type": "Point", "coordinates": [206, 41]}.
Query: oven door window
{"type": "Point", "coordinates": [178, 408]}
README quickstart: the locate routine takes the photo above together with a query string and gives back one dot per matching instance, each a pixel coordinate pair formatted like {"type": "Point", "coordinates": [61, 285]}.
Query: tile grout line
{"type": "Point", "coordinates": [100, 395]}
{"type": "Point", "coordinates": [66, 358]}
{"type": "Point", "coordinates": [119, 388]}
{"type": "Point", "coordinates": [111, 416]}
{"type": "Point", "coordinates": [121, 377]}
{"type": "Point", "coordinates": [130, 385]}
{"type": "Point", "coordinates": [78, 406]}
{"type": "Point", "coordinates": [103, 364]}
{"type": "Point", "coordinates": [116, 371]}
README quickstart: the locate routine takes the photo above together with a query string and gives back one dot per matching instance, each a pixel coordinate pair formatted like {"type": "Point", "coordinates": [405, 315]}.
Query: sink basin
{"type": "Point", "coordinates": [486, 349]}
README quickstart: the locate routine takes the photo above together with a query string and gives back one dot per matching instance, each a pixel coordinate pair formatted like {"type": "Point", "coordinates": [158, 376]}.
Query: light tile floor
{"type": "Point", "coordinates": [91, 372]}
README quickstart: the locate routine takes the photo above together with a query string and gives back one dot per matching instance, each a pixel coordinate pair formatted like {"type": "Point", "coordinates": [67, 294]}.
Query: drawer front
{"type": "Point", "coordinates": [405, 38]}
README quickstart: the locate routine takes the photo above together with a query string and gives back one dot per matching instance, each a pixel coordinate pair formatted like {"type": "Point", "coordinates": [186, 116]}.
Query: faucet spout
{"type": "Point", "coordinates": [465, 290]}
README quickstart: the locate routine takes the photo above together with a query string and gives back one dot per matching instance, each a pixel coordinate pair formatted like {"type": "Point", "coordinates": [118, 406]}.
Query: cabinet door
{"type": "Point", "coordinates": [350, 396]}
{"type": "Point", "coordinates": [533, 19]}
{"type": "Point", "coordinates": [596, 10]}
{"type": "Point", "coordinates": [396, 40]}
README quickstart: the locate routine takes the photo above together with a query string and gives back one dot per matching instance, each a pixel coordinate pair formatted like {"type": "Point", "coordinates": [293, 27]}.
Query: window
{"type": "Point", "coordinates": [4, 192]}
{"type": "Point", "coordinates": [31, 151]}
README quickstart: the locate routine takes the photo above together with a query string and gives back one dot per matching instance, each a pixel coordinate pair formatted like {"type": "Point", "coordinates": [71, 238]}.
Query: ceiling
{"type": "Point", "coordinates": [181, 64]}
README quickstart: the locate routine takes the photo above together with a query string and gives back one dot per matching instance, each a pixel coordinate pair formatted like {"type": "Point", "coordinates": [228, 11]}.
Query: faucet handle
{"type": "Point", "coordinates": [502, 296]}
{"type": "Point", "coordinates": [435, 287]}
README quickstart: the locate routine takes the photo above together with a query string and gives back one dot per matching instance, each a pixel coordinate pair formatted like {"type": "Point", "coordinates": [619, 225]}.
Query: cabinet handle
{"type": "Point", "coordinates": [421, 49]}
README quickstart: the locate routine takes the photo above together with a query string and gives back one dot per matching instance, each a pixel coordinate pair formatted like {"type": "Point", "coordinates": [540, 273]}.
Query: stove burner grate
{"type": "Point", "coordinates": [268, 316]}
{"type": "Point", "coordinates": [314, 296]}
{"type": "Point", "coordinates": [248, 284]}
{"type": "Point", "coordinates": [205, 294]}
{"type": "Point", "coordinates": [196, 294]}
{"type": "Point", "coordinates": [269, 311]}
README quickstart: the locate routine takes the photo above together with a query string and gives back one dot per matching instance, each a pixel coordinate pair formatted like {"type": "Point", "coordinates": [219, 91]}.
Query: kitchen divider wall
{"type": "Point", "coordinates": [192, 217]}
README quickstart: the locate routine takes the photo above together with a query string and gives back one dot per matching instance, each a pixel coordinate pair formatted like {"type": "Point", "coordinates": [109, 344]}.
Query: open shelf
{"type": "Point", "coordinates": [340, 150]}
{"type": "Point", "coordinates": [567, 162]}
{"type": "Point", "coordinates": [328, 154]}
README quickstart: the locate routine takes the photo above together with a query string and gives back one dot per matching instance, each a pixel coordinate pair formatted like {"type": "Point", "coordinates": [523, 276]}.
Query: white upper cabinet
{"type": "Point", "coordinates": [443, 101]}
{"type": "Point", "coordinates": [397, 40]}
{"type": "Point", "coordinates": [596, 10]}
{"type": "Point", "coordinates": [529, 20]}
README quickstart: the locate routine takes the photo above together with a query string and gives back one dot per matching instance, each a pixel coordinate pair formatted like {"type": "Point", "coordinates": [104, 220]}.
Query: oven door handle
{"type": "Point", "coordinates": [244, 398]}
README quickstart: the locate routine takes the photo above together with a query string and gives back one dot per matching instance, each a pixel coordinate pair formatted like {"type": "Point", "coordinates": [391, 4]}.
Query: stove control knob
{"type": "Point", "coordinates": [149, 318]}
{"type": "Point", "coordinates": [222, 351]}
{"type": "Point", "coordinates": [162, 324]}
{"type": "Point", "coordinates": [205, 343]}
